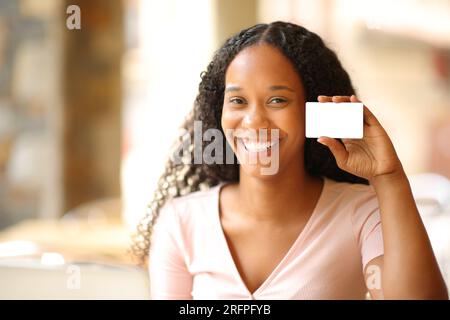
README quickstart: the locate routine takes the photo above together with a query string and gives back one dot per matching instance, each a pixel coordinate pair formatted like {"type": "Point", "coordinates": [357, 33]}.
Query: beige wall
{"type": "Point", "coordinates": [232, 16]}
{"type": "Point", "coordinates": [92, 106]}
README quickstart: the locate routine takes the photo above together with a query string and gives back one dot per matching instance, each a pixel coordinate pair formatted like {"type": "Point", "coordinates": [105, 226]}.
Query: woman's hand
{"type": "Point", "coordinates": [405, 240]}
{"type": "Point", "coordinates": [372, 156]}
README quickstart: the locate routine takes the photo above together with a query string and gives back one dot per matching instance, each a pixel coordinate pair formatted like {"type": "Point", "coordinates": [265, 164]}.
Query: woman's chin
{"type": "Point", "coordinates": [259, 163]}
{"type": "Point", "coordinates": [264, 169]}
{"type": "Point", "coordinates": [257, 171]}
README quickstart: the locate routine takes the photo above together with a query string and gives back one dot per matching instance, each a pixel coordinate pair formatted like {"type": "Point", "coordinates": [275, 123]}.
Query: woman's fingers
{"type": "Point", "coordinates": [353, 98]}
{"type": "Point", "coordinates": [337, 149]}
{"type": "Point", "coordinates": [335, 98]}
{"type": "Point", "coordinates": [324, 99]}
{"type": "Point", "coordinates": [341, 99]}
{"type": "Point", "coordinates": [369, 118]}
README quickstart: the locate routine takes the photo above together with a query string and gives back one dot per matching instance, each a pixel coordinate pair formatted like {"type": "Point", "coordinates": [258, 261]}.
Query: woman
{"type": "Point", "coordinates": [335, 220]}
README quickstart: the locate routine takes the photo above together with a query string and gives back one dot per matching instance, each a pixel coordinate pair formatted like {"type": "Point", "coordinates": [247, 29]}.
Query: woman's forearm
{"type": "Point", "coordinates": [410, 270]}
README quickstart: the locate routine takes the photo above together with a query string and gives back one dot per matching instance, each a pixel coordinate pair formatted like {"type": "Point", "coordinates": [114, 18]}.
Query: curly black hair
{"type": "Point", "coordinates": [320, 72]}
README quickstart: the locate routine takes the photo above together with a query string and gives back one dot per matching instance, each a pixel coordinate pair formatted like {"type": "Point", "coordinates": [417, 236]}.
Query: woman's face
{"type": "Point", "coordinates": [263, 91]}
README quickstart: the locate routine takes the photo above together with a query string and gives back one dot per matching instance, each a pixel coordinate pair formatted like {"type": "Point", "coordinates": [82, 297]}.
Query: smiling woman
{"type": "Point", "coordinates": [312, 229]}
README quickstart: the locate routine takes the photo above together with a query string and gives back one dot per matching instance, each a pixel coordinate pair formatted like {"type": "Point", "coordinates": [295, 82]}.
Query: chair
{"type": "Point", "coordinates": [432, 195]}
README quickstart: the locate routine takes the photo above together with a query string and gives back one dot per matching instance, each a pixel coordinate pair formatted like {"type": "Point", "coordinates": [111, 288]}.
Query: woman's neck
{"type": "Point", "coordinates": [278, 198]}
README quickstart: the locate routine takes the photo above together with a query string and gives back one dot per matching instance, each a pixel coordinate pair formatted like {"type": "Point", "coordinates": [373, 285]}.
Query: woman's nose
{"type": "Point", "coordinates": [255, 118]}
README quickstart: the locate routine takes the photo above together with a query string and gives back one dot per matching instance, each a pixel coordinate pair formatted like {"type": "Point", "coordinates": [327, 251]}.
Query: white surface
{"type": "Point", "coordinates": [32, 280]}
{"type": "Point", "coordinates": [334, 120]}
{"type": "Point", "coordinates": [432, 195]}
{"type": "Point", "coordinates": [431, 192]}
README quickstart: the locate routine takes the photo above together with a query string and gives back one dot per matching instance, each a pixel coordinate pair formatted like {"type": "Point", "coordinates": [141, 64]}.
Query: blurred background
{"type": "Point", "coordinates": [87, 116]}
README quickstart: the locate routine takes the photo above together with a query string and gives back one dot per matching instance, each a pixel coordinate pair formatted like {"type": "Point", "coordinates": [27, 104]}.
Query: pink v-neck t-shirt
{"type": "Point", "coordinates": [190, 258]}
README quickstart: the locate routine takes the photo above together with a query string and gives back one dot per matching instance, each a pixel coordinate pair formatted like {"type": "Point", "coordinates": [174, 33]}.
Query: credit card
{"type": "Point", "coordinates": [334, 120]}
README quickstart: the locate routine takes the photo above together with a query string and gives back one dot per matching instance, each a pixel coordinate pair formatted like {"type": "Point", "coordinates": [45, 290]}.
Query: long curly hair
{"type": "Point", "coordinates": [320, 72]}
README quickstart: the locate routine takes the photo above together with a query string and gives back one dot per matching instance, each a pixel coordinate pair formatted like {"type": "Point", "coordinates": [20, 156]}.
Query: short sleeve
{"type": "Point", "coordinates": [367, 226]}
{"type": "Point", "coordinates": [169, 275]}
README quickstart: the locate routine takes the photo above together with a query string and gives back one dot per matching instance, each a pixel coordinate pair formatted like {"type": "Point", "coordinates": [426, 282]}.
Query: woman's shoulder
{"type": "Point", "coordinates": [194, 203]}
{"type": "Point", "coordinates": [353, 198]}
{"type": "Point", "coordinates": [358, 203]}
{"type": "Point", "coordinates": [349, 190]}
{"type": "Point", "coordinates": [196, 196]}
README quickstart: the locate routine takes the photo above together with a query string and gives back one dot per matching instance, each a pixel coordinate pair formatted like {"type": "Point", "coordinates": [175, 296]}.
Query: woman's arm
{"type": "Point", "coordinates": [408, 268]}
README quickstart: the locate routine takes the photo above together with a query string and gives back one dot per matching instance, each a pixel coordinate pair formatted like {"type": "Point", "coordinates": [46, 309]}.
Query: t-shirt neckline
{"type": "Point", "coordinates": [300, 238]}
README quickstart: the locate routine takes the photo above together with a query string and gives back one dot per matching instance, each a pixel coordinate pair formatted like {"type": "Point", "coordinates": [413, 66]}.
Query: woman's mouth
{"type": "Point", "coordinates": [258, 146]}
{"type": "Point", "coordinates": [253, 148]}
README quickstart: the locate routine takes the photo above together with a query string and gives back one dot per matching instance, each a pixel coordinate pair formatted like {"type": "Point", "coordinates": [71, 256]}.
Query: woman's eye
{"type": "Point", "coordinates": [277, 101]}
{"type": "Point", "coordinates": [236, 100]}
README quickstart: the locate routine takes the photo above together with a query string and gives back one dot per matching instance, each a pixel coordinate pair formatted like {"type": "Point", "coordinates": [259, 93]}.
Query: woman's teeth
{"type": "Point", "coordinates": [254, 146]}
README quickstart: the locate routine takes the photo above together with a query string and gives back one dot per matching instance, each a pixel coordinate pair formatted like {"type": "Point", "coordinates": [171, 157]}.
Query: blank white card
{"type": "Point", "coordinates": [334, 120]}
